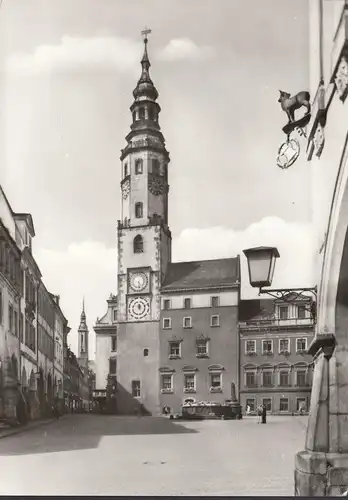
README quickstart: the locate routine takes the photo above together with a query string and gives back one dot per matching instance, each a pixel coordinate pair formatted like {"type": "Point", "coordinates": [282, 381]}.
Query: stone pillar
{"type": "Point", "coordinates": [322, 468]}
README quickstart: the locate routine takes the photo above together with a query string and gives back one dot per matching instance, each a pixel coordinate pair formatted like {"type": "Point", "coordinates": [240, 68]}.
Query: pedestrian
{"type": "Point", "coordinates": [248, 410]}
{"type": "Point", "coordinates": [259, 413]}
{"type": "Point", "coordinates": [264, 414]}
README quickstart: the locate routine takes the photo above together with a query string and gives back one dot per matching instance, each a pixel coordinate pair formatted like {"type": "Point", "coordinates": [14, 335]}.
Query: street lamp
{"type": "Point", "coordinates": [261, 265]}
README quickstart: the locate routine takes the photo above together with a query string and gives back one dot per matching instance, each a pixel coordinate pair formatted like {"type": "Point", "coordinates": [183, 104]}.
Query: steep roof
{"type": "Point", "coordinates": [202, 274]}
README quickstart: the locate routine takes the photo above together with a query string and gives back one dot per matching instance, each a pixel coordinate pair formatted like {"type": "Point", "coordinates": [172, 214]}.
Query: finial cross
{"type": "Point", "coordinates": [146, 31]}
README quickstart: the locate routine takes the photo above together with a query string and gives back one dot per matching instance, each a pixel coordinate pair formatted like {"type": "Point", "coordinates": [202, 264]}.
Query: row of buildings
{"type": "Point", "coordinates": [37, 369]}
{"type": "Point", "coordinates": [179, 332]}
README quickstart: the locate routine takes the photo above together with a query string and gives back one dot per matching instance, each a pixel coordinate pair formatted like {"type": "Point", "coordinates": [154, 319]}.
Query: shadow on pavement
{"type": "Point", "coordinates": [82, 432]}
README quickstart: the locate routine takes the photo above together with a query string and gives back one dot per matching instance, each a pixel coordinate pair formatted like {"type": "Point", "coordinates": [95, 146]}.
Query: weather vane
{"type": "Point", "coordinates": [289, 151]}
{"type": "Point", "coordinates": [146, 31]}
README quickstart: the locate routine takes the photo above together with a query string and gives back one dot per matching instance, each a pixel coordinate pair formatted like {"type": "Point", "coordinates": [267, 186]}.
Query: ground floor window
{"type": "Point", "coordinates": [251, 403]}
{"type": "Point", "coordinates": [267, 402]}
{"type": "Point", "coordinates": [284, 404]}
{"type": "Point", "coordinates": [136, 388]}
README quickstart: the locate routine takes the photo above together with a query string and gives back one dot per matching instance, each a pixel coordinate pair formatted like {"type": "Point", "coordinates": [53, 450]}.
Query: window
{"type": "Point", "coordinates": [167, 383]}
{"type": "Point", "coordinates": [136, 388]}
{"type": "Point", "coordinates": [214, 301]}
{"type": "Point", "coordinates": [187, 322]}
{"type": "Point", "coordinates": [166, 304]}
{"type": "Point", "coordinates": [267, 347]}
{"type": "Point", "coordinates": [15, 320]}
{"type": "Point", "coordinates": [283, 312]}
{"type": "Point", "coordinates": [251, 403]}
{"type": "Point", "coordinates": [167, 323]}
{"type": "Point", "coordinates": [250, 346]}
{"type": "Point", "coordinates": [155, 167]}
{"type": "Point", "coordinates": [146, 352]}
{"type": "Point", "coordinates": [284, 404]}
{"type": "Point", "coordinates": [189, 382]}
{"type": "Point", "coordinates": [301, 378]}
{"type": "Point", "coordinates": [141, 113]}
{"type": "Point", "coordinates": [115, 314]}
{"type": "Point", "coordinates": [134, 116]}
{"type": "Point", "coordinates": [250, 379]}
{"type": "Point", "coordinates": [301, 312]}
{"type": "Point", "coordinates": [174, 349]}
{"type": "Point", "coordinates": [138, 210]}
{"type": "Point", "coordinates": [138, 244]}
{"type": "Point", "coordinates": [284, 378]}
{"type": "Point", "coordinates": [112, 366]}
{"type": "Point", "coordinates": [202, 348]}
{"type": "Point", "coordinates": [125, 169]}
{"type": "Point", "coordinates": [10, 318]}
{"type": "Point", "coordinates": [301, 345]}
{"type": "Point", "coordinates": [187, 303]}
{"type": "Point", "coordinates": [113, 344]}
{"type": "Point", "coordinates": [215, 380]}
{"type": "Point", "coordinates": [267, 403]}
{"type": "Point", "coordinates": [284, 345]}
{"type": "Point", "coordinates": [138, 166]}
{"type": "Point", "coordinates": [215, 320]}
{"type": "Point", "coordinates": [267, 378]}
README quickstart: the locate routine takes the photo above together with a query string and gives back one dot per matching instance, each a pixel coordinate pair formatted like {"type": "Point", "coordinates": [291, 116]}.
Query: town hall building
{"type": "Point", "coordinates": [176, 324]}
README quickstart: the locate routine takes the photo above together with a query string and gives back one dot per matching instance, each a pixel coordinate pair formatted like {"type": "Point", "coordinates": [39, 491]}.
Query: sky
{"type": "Point", "coordinates": [68, 72]}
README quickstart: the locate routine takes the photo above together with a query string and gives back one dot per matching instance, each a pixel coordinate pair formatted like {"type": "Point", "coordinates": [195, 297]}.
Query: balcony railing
{"type": "Point", "coordinates": [273, 323]}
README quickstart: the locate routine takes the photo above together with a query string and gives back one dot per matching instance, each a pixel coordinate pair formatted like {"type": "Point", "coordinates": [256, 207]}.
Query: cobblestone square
{"type": "Point", "coordinates": [107, 455]}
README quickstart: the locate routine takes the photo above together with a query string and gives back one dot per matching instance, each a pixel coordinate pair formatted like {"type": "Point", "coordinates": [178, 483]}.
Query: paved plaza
{"type": "Point", "coordinates": [110, 455]}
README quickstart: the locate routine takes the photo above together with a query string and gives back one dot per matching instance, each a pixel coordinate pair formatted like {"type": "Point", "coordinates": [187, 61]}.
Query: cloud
{"type": "Point", "coordinates": [184, 49]}
{"type": "Point", "coordinates": [121, 54]}
{"type": "Point", "coordinates": [89, 268]}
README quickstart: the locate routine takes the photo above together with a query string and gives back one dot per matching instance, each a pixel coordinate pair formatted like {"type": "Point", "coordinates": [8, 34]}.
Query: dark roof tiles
{"type": "Point", "coordinates": [202, 274]}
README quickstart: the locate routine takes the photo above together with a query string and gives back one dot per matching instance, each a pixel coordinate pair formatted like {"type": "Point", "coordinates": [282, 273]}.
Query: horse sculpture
{"type": "Point", "coordinates": [290, 104]}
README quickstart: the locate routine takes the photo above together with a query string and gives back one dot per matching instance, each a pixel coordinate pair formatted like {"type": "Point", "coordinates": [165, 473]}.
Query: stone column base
{"type": "Point", "coordinates": [320, 474]}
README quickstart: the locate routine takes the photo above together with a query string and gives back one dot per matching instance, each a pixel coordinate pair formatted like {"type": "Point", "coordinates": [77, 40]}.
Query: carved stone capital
{"type": "Point", "coordinates": [341, 79]}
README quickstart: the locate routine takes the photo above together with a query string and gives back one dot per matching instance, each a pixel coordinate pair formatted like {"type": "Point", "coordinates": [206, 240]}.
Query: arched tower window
{"type": "Point", "coordinates": [138, 210]}
{"type": "Point", "coordinates": [151, 113]}
{"type": "Point", "coordinates": [141, 113]}
{"type": "Point", "coordinates": [138, 244]}
{"type": "Point", "coordinates": [138, 166]}
{"type": "Point", "coordinates": [134, 116]}
{"type": "Point", "coordinates": [125, 169]}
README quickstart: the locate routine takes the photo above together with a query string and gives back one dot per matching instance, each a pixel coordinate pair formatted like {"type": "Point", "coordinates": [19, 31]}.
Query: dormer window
{"type": "Point", "coordinates": [138, 210]}
{"type": "Point", "coordinates": [138, 166]}
{"type": "Point", "coordinates": [283, 312]}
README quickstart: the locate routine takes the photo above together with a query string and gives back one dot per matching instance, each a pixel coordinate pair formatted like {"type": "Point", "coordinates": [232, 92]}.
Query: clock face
{"type": "Point", "coordinates": [138, 281]}
{"type": "Point", "coordinates": [139, 308]}
{"type": "Point", "coordinates": [125, 189]}
{"type": "Point", "coordinates": [156, 186]}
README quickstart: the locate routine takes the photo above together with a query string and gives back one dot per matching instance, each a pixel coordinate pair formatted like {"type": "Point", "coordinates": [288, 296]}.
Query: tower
{"type": "Point", "coordinates": [144, 248]}
{"type": "Point", "coordinates": [83, 339]}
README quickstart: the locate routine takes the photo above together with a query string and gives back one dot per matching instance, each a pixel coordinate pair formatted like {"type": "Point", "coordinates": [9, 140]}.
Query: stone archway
{"type": "Point", "coordinates": [319, 467]}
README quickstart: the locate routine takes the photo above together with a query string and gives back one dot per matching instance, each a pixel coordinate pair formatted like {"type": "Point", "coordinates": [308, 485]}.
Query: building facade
{"type": "Point", "coordinates": [321, 467]}
{"type": "Point", "coordinates": [106, 355]}
{"type": "Point", "coordinates": [199, 332]}
{"type": "Point", "coordinates": [275, 369]}
{"type": "Point", "coordinates": [28, 322]}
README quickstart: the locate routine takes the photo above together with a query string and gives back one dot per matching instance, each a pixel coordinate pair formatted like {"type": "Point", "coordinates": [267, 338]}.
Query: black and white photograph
{"type": "Point", "coordinates": [173, 248]}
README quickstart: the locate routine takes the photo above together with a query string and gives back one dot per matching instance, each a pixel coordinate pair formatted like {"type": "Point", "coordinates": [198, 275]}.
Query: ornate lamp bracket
{"type": "Point", "coordinates": [291, 295]}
